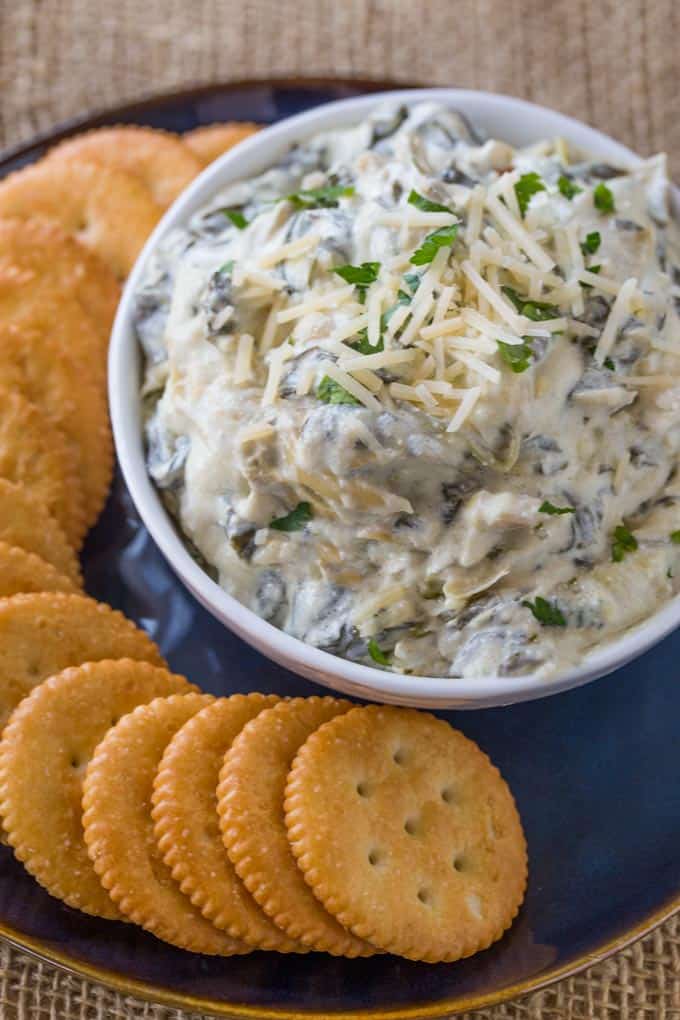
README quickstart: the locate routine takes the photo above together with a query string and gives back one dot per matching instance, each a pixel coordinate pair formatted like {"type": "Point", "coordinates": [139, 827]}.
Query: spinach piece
{"type": "Point", "coordinates": [516, 356]}
{"type": "Point", "coordinates": [236, 217]}
{"type": "Point", "coordinates": [319, 198]}
{"type": "Point", "coordinates": [537, 311]}
{"type": "Point", "coordinates": [591, 243]}
{"type": "Point", "coordinates": [547, 507]}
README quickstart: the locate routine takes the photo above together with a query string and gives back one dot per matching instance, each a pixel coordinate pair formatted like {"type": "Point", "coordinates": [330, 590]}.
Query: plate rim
{"type": "Point", "coordinates": [117, 982]}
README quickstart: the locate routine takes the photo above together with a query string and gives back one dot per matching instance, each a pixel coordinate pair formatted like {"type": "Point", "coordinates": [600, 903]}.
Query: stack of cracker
{"type": "Point", "coordinates": [251, 822]}
{"type": "Point", "coordinates": [71, 227]}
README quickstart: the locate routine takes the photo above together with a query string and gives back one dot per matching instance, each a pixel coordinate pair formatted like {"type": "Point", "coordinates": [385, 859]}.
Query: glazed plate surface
{"type": "Point", "coordinates": [594, 770]}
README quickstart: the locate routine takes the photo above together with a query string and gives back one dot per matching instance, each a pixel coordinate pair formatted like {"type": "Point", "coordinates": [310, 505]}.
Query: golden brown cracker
{"type": "Point", "coordinates": [22, 571]}
{"type": "Point", "coordinates": [28, 525]}
{"type": "Point", "coordinates": [43, 269]}
{"type": "Point", "coordinates": [187, 827]}
{"type": "Point", "coordinates": [119, 829]}
{"type": "Point", "coordinates": [36, 364]}
{"type": "Point", "coordinates": [44, 752]}
{"type": "Point", "coordinates": [35, 453]}
{"type": "Point", "coordinates": [250, 806]}
{"type": "Point", "coordinates": [211, 141]}
{"type": "Point", "coordinates": [106, 210]}
{"type": "Point", "coordinates": [158, 158]}
{"type": "Point", "coordinates": [41, 635]}
{"type": "Point", "coordinates": [407, 833]}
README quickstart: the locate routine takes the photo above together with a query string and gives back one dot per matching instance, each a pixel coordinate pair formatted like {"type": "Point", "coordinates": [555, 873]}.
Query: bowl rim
{"type": "Point", "coordinates": [253, 154]}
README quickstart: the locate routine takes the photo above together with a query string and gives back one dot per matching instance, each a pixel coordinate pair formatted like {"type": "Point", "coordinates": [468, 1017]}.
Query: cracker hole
{"type": "Point", "coordinates": [399, 756]}
{"type": "Point", "coordinates": [374, 858]}
{"type": "Point", "coordinates": [75, 761]}
{"type": "Point", "coordinates": [411, 826]}
{"type": "Point", "coordinates": [459, 862]}
{"type": "Point", "coordinates": [425, 897]}
{"type": "Point", "coordinates": [114, 720]}
{"type": "Point", "coordinates": [448, 796]}
{"type": "Point", "coordinates": [363, 789]}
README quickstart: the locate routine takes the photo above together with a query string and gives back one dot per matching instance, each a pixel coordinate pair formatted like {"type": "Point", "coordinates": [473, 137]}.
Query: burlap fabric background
{"type": "Point", "coordinates": [613, 64]}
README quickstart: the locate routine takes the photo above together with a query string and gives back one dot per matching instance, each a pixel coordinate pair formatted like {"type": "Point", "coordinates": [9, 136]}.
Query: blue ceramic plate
{"type": "Point", "coordinates": [594, 771]}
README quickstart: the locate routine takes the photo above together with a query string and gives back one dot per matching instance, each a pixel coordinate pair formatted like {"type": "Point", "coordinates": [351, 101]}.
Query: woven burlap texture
{"type": "Point", "coordinates": [613, 64]}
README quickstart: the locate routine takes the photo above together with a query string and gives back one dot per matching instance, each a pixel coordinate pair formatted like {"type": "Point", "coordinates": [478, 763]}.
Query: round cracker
{"type": "Point", "coordinates": [158, 158]}
{"type": "Point", "coordinates": [407, 833]}
{"type": "Point", "coordinates": [211, 141]}
{"type": "Point", "coordinates": [35, 453]}
{"type": "Point", "coordinates": [186, 823]}
{"type": "Point", "coordinates": [28, 525]}
{"type": "Point", "coordinates": [21, 571]}
{"type": "Point", "coordinates": [47, 374]}
{"type": "Point", "coordinates": [250, 797]}
{"type": "Point", "coordinates": [44, 752]}
{"type": "Point", "coordinates": [41, 635]}
{"type": "Point", "coordinates": [107, 210]}
{"type": "Point", "coordinates": [36, 362]}
{"type": "Point", "coordinates": [119, 829]}
{"type": "Point", "coordinates": [45, 275]}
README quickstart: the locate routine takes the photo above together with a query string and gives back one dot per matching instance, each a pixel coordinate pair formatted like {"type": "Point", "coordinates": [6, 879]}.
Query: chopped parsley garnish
{"type": "Point", "coordinates": [332, 392]}
{"type": "Point", "coordinates": [525, 188]}
{"type": "Point", "coordinates": [319, 198]}
{"type": "Point", "coordinates": [675, 537]}
{"type": "Point", "coordinates": [537, 311]}
{"type": "Point", "coordinates": [361, 276]}
{"type": "Point", "coordinates": [603, 197]}
{"type": "Point", "coordinates": [377, 654]}
{"type": "Point", "coordinates": [226, 267]}
{"type": "Point", "coordinates": [364, 347]}
{"type": "Point", "coordinates": [567, 187]}
{"type": "Point", "coordinates": [295, 520]}
{"type": "Point", "coordinates": [425, 204]}
{"type": "Point", "coordinates": [547, 507]}
{"type": "Point", "coordinates": [442, 238]}
{"type": "Point", "coordinates": [624, 542]}
{"type": "Point", "coordinates": [516, 356]}
{"type": "Point", "coordinates": [591, 243]}
{"type": "Point", "coordinates": [236, 217]}
{"type": "Point", "coordinates": [546, 612]}
{"type": "Point", "coordinates": [608, 363]}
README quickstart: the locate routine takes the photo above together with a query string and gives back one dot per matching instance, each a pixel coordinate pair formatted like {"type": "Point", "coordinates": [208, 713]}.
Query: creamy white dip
{"type": "Point", "coordinates": [414, 397]}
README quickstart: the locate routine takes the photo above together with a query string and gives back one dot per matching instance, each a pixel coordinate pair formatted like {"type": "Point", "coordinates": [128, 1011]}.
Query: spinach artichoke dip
{"type": "Point", "coordinates": [413, 396]}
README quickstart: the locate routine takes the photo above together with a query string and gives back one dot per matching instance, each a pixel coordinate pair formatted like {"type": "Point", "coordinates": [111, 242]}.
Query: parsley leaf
{"type": "Point", "coordinates": [236, 217]}
{"type": "Point", "coordinates": [603, 197]}
{"type": "Point", "coordinates": [295, 520]}
{"type": "Point", "coordinates": [591, 243]}
{"type": "Point", "coordinates": [364, 347]}
{"type": "Point", "coordinates": [675, 537]}
{"type": "Point", "coordinates": [361, 276]}
{"type": "Point", "coordinates": [516, 356]}
{"type": "Point", "coordinates": [425, 204]}
{"type": "Point", "coordinates": [567, 187]}
{"type": "Point", "coordinates": [608, 363]}
{"type": "Point", "coordinates": [332, 392]}
{"type": "Point", "coordinates": [624, 541]}
{"type": "Point", "coordinates": [377, 654]}
{"type": "Point", "coordinates": [537, 311]}
{"type": "Point", "coordinates": [319, 198]}
{"type": "Point", "coordinates": [547, 507]}
{"type": "Point", "coordinates": [442, 238]}
{"type": "Point", "coordinates": [226, 267]}
{"type": "Point", "coordinates": [546, 612]}
{"type": "Point", "coordinates": [527, 186]}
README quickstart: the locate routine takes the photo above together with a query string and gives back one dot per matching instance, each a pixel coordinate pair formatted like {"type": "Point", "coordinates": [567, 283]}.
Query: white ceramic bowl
{"type": "Point", "coordinates": [516, 121]}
